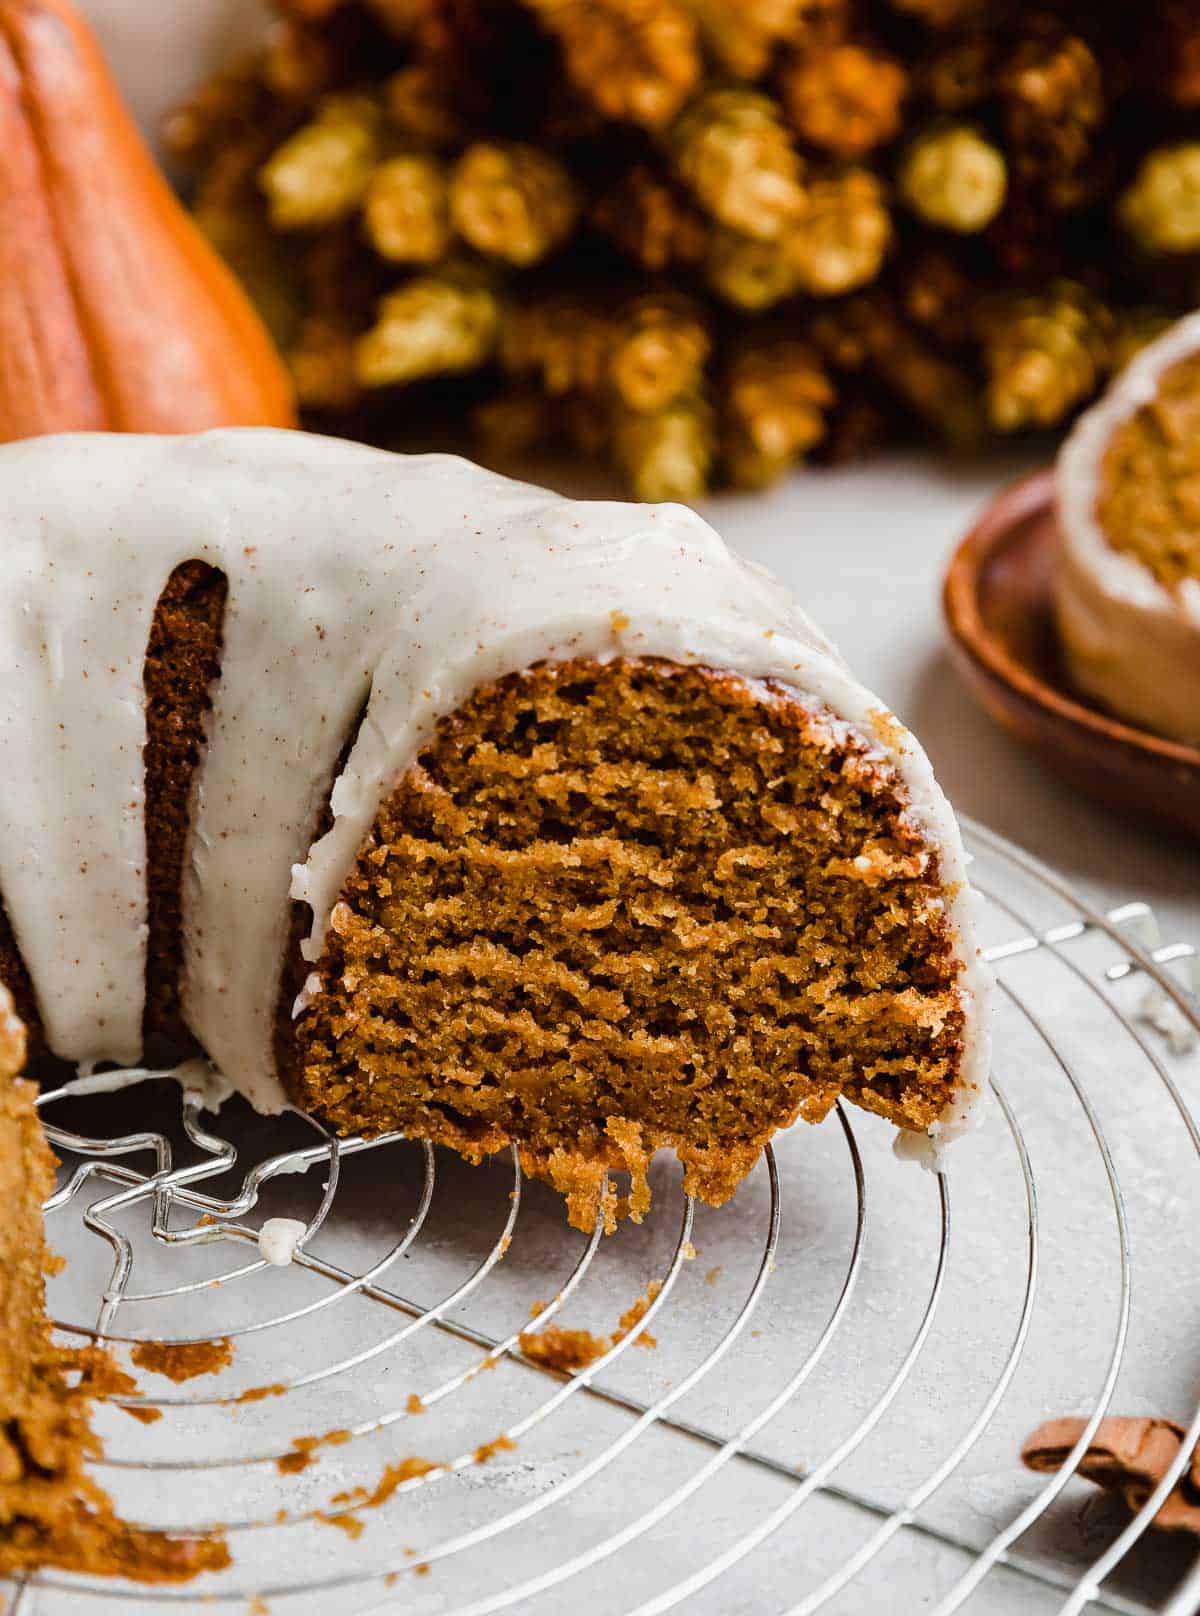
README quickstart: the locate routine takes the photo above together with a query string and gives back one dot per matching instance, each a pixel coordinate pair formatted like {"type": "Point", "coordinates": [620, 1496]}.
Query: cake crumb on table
{"type": "Point", "coordinates": [304, 1449]}
{"type": "Point", "coordinates": [634, 1314]}
{"type": "Point", "coordinates": [184, 1360]}
{"type": "Point", "coordinates": [569, 1351]}
{"type": "Point", "coordinates": [488, 1450]}
{"type": "Point", "coordinates": [346, 1522]}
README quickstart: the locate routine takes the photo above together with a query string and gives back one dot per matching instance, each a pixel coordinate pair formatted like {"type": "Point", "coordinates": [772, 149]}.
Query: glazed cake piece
{"type": "Point", "coordinates": [425, 799]}
{"type": "Point", "coordinates": [1127, 589]}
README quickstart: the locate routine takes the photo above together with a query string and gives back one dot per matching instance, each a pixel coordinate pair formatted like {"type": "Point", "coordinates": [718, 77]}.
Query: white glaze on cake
{"type": "Point", "coordinates": [351, 574]}
{"type": "Point", "coordinates": [278, 1239]}
{"type": "Point", "coordinates": [1130, 643]}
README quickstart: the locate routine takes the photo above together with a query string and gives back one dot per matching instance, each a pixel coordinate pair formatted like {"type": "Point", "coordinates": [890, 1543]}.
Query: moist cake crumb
{"type": "Point", "coordinates": [567, 1351]}
{"type": "Point", "coordinates": [621, 906]}
{"type": "Point", "coordinates": [1149, 500]}
{"type": "Point", "coordinates": [635, 1313]}
{"type": "Point", "coordinates": [184, 1360]}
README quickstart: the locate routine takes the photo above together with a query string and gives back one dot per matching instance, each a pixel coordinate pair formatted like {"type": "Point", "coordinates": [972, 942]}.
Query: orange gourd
{"type": "Point", "coordinates": [115, 314]}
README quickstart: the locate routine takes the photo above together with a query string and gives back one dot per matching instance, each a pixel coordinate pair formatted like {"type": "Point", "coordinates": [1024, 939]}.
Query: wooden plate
{"type": "Point", "coordinates": [998, 606]}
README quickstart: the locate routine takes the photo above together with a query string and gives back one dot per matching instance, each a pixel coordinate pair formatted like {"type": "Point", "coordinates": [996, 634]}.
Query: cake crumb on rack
{"type": "Point", "coordinates": [635, 1313]}
{"type": "Point", "coordinates": [499, 1444]}
{"type": "Point", "coordinates": [303, 1450]}
{"type": "Point", "coordinates": [567, 1351]}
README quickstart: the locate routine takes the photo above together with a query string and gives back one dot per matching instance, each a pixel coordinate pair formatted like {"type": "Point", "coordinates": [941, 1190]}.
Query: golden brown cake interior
{"type": "Point", "coordinates": [628, 905]}
{"type": "Point", "coordinates": [1149, 499]}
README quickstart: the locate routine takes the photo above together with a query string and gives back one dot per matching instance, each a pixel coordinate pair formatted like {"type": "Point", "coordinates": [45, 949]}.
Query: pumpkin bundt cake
{"type": "Point", "coordinates": [1127, 587]}
{"type": "Point", "coordinates": [423, 799]}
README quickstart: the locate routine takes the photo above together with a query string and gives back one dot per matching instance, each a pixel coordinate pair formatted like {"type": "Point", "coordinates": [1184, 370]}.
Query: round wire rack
{"type": "Point", "coordinates": [816, 1405]}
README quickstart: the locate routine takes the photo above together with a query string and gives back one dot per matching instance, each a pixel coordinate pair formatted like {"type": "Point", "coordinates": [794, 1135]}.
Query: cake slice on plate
{"type": "Point", "coordinates": [1127, 588]}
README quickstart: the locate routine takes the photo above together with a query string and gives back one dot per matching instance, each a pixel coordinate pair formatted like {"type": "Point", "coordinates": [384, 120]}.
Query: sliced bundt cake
{"type": "Point", "coordinates": [428, 800]}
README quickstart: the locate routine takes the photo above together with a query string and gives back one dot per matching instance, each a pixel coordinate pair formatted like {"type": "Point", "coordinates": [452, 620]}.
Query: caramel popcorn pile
{"type": "Point", "coordinates": [702, 240]}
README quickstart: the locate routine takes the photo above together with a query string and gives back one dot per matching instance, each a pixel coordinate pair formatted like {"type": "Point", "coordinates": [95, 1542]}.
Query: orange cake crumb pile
{"type": "Point", "coordinates": [635, 1313]}
{"type": "Point", "coordinates": [622, 906]}
{"type": "Point", "coordinates": [568, 1351]}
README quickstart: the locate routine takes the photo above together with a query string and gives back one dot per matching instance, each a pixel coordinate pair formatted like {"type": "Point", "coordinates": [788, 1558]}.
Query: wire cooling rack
{"type": "Point", "coordinates": [820, 1409]}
